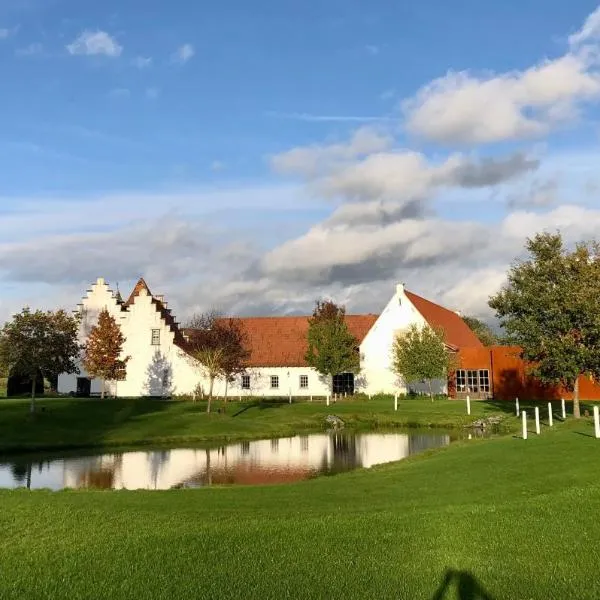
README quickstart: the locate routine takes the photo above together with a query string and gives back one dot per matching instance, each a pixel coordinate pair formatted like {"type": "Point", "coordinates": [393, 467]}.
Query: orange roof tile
{"type": "Point", "coordinates": [458, 334]}
{"type": "Point", "coordinates": [282, 341]}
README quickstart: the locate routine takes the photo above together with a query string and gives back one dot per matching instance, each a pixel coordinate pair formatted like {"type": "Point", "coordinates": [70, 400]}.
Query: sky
{"type": "Point", "coordinates": [255, 157]}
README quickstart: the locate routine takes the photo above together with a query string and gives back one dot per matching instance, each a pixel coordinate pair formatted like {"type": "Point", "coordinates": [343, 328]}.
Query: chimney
{"type": "Point", "coordinates": [100, 281]}
{"type": "Point", "coordinates": [459, 313]}
{"type": "Point", "coordinates": [400, 289]}
{"type": "Point", "coordinates": [160, 298]}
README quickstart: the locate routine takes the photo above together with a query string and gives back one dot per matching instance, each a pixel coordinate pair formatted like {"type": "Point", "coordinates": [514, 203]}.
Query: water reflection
{"type": "Point", "coordinates": [265, 461]}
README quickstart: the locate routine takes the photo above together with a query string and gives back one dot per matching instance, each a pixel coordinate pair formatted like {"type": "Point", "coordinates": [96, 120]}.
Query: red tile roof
{"type": "Point", "coordinates": [458, 333]}
{"type": "Point", "coordinates": [282, 341]}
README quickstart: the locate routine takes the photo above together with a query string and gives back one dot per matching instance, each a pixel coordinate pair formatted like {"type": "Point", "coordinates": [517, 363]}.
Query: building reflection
{"type": "Point", "coordinates": [259, 462]}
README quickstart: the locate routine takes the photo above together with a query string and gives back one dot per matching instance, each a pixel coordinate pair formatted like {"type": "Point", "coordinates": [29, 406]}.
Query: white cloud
{"type": "Point", "coordinates": [462, 107]}
{"type": "Point", "coordinates": [183, 54]}
{"type": "Point", "coordinates": [589, 32]}
{"type": "Point", "coordinates": [92, 43]}
{"type": "Point", "coordinates": [142, 62]}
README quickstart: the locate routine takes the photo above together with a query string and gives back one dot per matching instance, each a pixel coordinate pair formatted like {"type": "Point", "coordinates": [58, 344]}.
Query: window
{"type": "Point", "coordinates": [484, 380]}
{"type": "Point", "coordinates": [165, 378]}
{"type": "Point", "coordinates": [304, 381]}
{"type": "Point", "coordinates": [343, 383]}
{"type": "Point", "coordinates": [461, 381]}
{"type": "Point", "coordinates": [156, 337]}
{"type": "Point", "coordinates": [473, 381]}
{"type": "Point", "coordinates": [245, 382]}
{"type": "Point", "coordinates": [274, 381]}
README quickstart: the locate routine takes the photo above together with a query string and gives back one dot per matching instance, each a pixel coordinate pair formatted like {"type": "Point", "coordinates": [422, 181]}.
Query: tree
{"type": "Point", "coordinates": [35, 343]}
{"type": "Point", "coordinates": [483, 331]}
{"type": "Point", "coordinates": [420, 354]}
{"type": "Point", "coordinates": [103, 349]}
{"type": "Point", "coordinates": [218, 346]}
{"type": "Point", "coordinates": [549, 307]}
{"type": "Point", "coordinates": [332, 349]}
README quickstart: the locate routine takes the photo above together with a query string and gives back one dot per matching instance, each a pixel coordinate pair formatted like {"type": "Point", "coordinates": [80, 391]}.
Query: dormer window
{"type": "Point", "coordinates": [156, 337]}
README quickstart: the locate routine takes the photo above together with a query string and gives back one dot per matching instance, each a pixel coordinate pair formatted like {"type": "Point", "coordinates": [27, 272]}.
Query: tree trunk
{"type": "Point", "coordinates": [430, 390]}
{"type": "Point", "coordinates": [102, 389]}
{"type": "Point", "coordinates": [29, 476]}
{"type": "Point", "coordinates": [576, 409]}
{"type": "Point", "coordinates": [226, 387]}
{"type": "Point", "coordinates": [33, 384]}
{"type": "Point", "coordinates": [210, 393]}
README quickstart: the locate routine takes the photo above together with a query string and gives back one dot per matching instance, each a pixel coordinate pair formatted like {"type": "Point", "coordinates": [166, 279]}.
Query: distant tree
{"type": "Point", "coordinates": [217, 346]}
{"type": "Point", "coordinates": [421, 355]}
{"type": "Point", "coordinates": [550, 308]}
{"type": "Point", "coordinates": [35, 343]}
{"type": "Point", "coordinates": [483, 331]}
{"type": "Point", "coordinates": [103, 350]}
{"type": "Point", "coordinates": [332, 349]}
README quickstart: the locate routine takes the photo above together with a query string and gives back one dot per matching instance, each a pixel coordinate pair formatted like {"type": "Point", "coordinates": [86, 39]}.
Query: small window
{"type": "Point", "coordinates": [472, 382]}
{"type": "Point", "coordinates": [303, 381]}
{"type": "Point", "coordinates": [274, 381]}
{"type": "Point", "coordinates": [156, 337]}
{"type": "Point", "coordinates": [245, 382]}
{"type": "Point", "coordinates": [461, 380]}
{"type": "Point", "coordinates": [165, 378]}
{"type": "Point", "coordinates": [484, 380]}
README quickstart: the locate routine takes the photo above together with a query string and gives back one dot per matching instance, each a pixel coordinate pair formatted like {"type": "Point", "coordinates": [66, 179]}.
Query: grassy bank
{"type": "Point", "coordinates": [73, 423]}
{"type": "Point", "coordinates": [516, 518]}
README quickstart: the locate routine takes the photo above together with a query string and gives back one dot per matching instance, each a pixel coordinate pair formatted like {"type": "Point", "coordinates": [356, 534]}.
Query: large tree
{"type": "Point", "coordinates": [332, 349]}
{"type": "Point", "coordinates": [420, 354]}
{"type": "Point", "coordinates": [103, 349]}
{"type": "Point", "coordinates": [217, 346]}
{"type": "Point", "coordinates": [483, 331]}
{"type": "Point", "coordinates": [550, 308]}
{"type": "Point", "coordinates": [39, 342]}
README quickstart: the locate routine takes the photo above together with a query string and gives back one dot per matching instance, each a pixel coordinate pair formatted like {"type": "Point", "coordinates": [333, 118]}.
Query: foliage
{"type": "Point", "coordinates": [550, 308]}
{"type": "Point", "coordinates": [436, 510]}
{"type": "Point", "coordinates": [218, 346]}
{"type": "Point", "coordinates": [103, 349]}
{"type": "Point", "coordinates": [40, 342]}
{"type": "Point", "coordinates": [332, 349]}
{"type": "Point", "coordinates": [420, 354]}
{"type": "Point", "coordinates": [487, 336]}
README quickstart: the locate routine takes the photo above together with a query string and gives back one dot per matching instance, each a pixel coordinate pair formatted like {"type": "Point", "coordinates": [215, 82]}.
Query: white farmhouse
{"type": "Point", "coordinates": [159, 365]}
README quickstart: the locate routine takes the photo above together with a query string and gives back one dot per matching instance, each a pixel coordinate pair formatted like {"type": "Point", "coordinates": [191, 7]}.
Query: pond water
{"type": "Point", "coordinates": [280, 460]}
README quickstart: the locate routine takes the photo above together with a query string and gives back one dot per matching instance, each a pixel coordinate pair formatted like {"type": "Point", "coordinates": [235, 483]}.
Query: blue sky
{"type": "Point", "coordinates": [115, 118]}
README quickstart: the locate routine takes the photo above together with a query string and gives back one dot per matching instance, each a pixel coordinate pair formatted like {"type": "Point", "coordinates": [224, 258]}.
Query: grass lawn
{"type": "Point", "coordinates": [518, 518]}
{"type": "Point", "coordinates": [72, 423]}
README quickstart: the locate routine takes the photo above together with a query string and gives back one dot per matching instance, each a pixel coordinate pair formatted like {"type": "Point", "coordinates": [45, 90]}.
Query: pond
{"type": "Point", "coordinates": [269, 461]}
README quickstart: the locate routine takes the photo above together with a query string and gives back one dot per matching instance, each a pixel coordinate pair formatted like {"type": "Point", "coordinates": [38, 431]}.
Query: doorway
{"type": "Point", "coordinates": [84, 387]}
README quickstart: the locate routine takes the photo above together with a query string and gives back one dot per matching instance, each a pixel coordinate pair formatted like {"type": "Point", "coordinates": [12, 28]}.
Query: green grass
{"type": "Point", "coordinates": [518, 516]}
{"type": "Point", "coordinates": [74, 423]}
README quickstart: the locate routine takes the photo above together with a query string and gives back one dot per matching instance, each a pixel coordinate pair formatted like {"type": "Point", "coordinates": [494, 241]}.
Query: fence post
{"type": "Point", "coordinates": [327, 400]}
{"type": "Point", "coordinates": [395, 401]}
{"type": "Point", "coordinates": [537, 420]}
{"type": "Point", "coordinates": [468, 405]}
{"type": "Point", "coordinates": [524, 416]}
{"type": "Point", "coordinates": [597, 421]}
{"type": "Point", "coordinates": [564, 412]}
{"type": "Point", "coordinates": [311, 397]}
{"type": "Point", "coordinates": [517, 405]}
{"type": "Point", "coordinates": [550, 421]}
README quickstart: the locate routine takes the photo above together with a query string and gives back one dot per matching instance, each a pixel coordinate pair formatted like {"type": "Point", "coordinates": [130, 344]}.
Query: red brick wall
{"type": "Point", "coordinates": [510, 379]}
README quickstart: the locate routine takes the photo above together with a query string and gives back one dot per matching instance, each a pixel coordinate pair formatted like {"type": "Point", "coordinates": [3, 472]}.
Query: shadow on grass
{"type": "Point", "coordinates": [70, 423]}
{"type": "Point", "coordinates": [585, 434]}
{"type": "Point", "coordinates": [263, 405]}
{"type": "Point", "coordinates": [466, 585]}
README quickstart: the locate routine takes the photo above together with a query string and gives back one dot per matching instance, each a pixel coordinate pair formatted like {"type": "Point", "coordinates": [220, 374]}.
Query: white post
{"type": "Point", "coordinates": [537, 420]}
{"type": "Point", "coordinates": [550, 421]}
{"type": "Point", "coordinates": [517, 405]}
{"type": "Point", "coordinates": [345, 394]}
{"type": "Point", "coordinates": [311, 397]}
{"type": "Point", "coordinates": [597, 421]}
{"type": "Point", "coordinates": [327, 399]}
{"type": "Point", "coordinates": [564, 412]}
{"type": "Point", "coordinates": [468, 405]}
{"type": "Point", "coordinates": [395, 401]}
{"type": "Point", "coordinates": [524, 415]}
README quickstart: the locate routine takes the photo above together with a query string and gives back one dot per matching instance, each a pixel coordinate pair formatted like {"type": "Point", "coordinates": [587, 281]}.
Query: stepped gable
{"type": "Point", "coordinates": [165, 312]}
{"type": "Point", "coordinates": [457, 332]}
